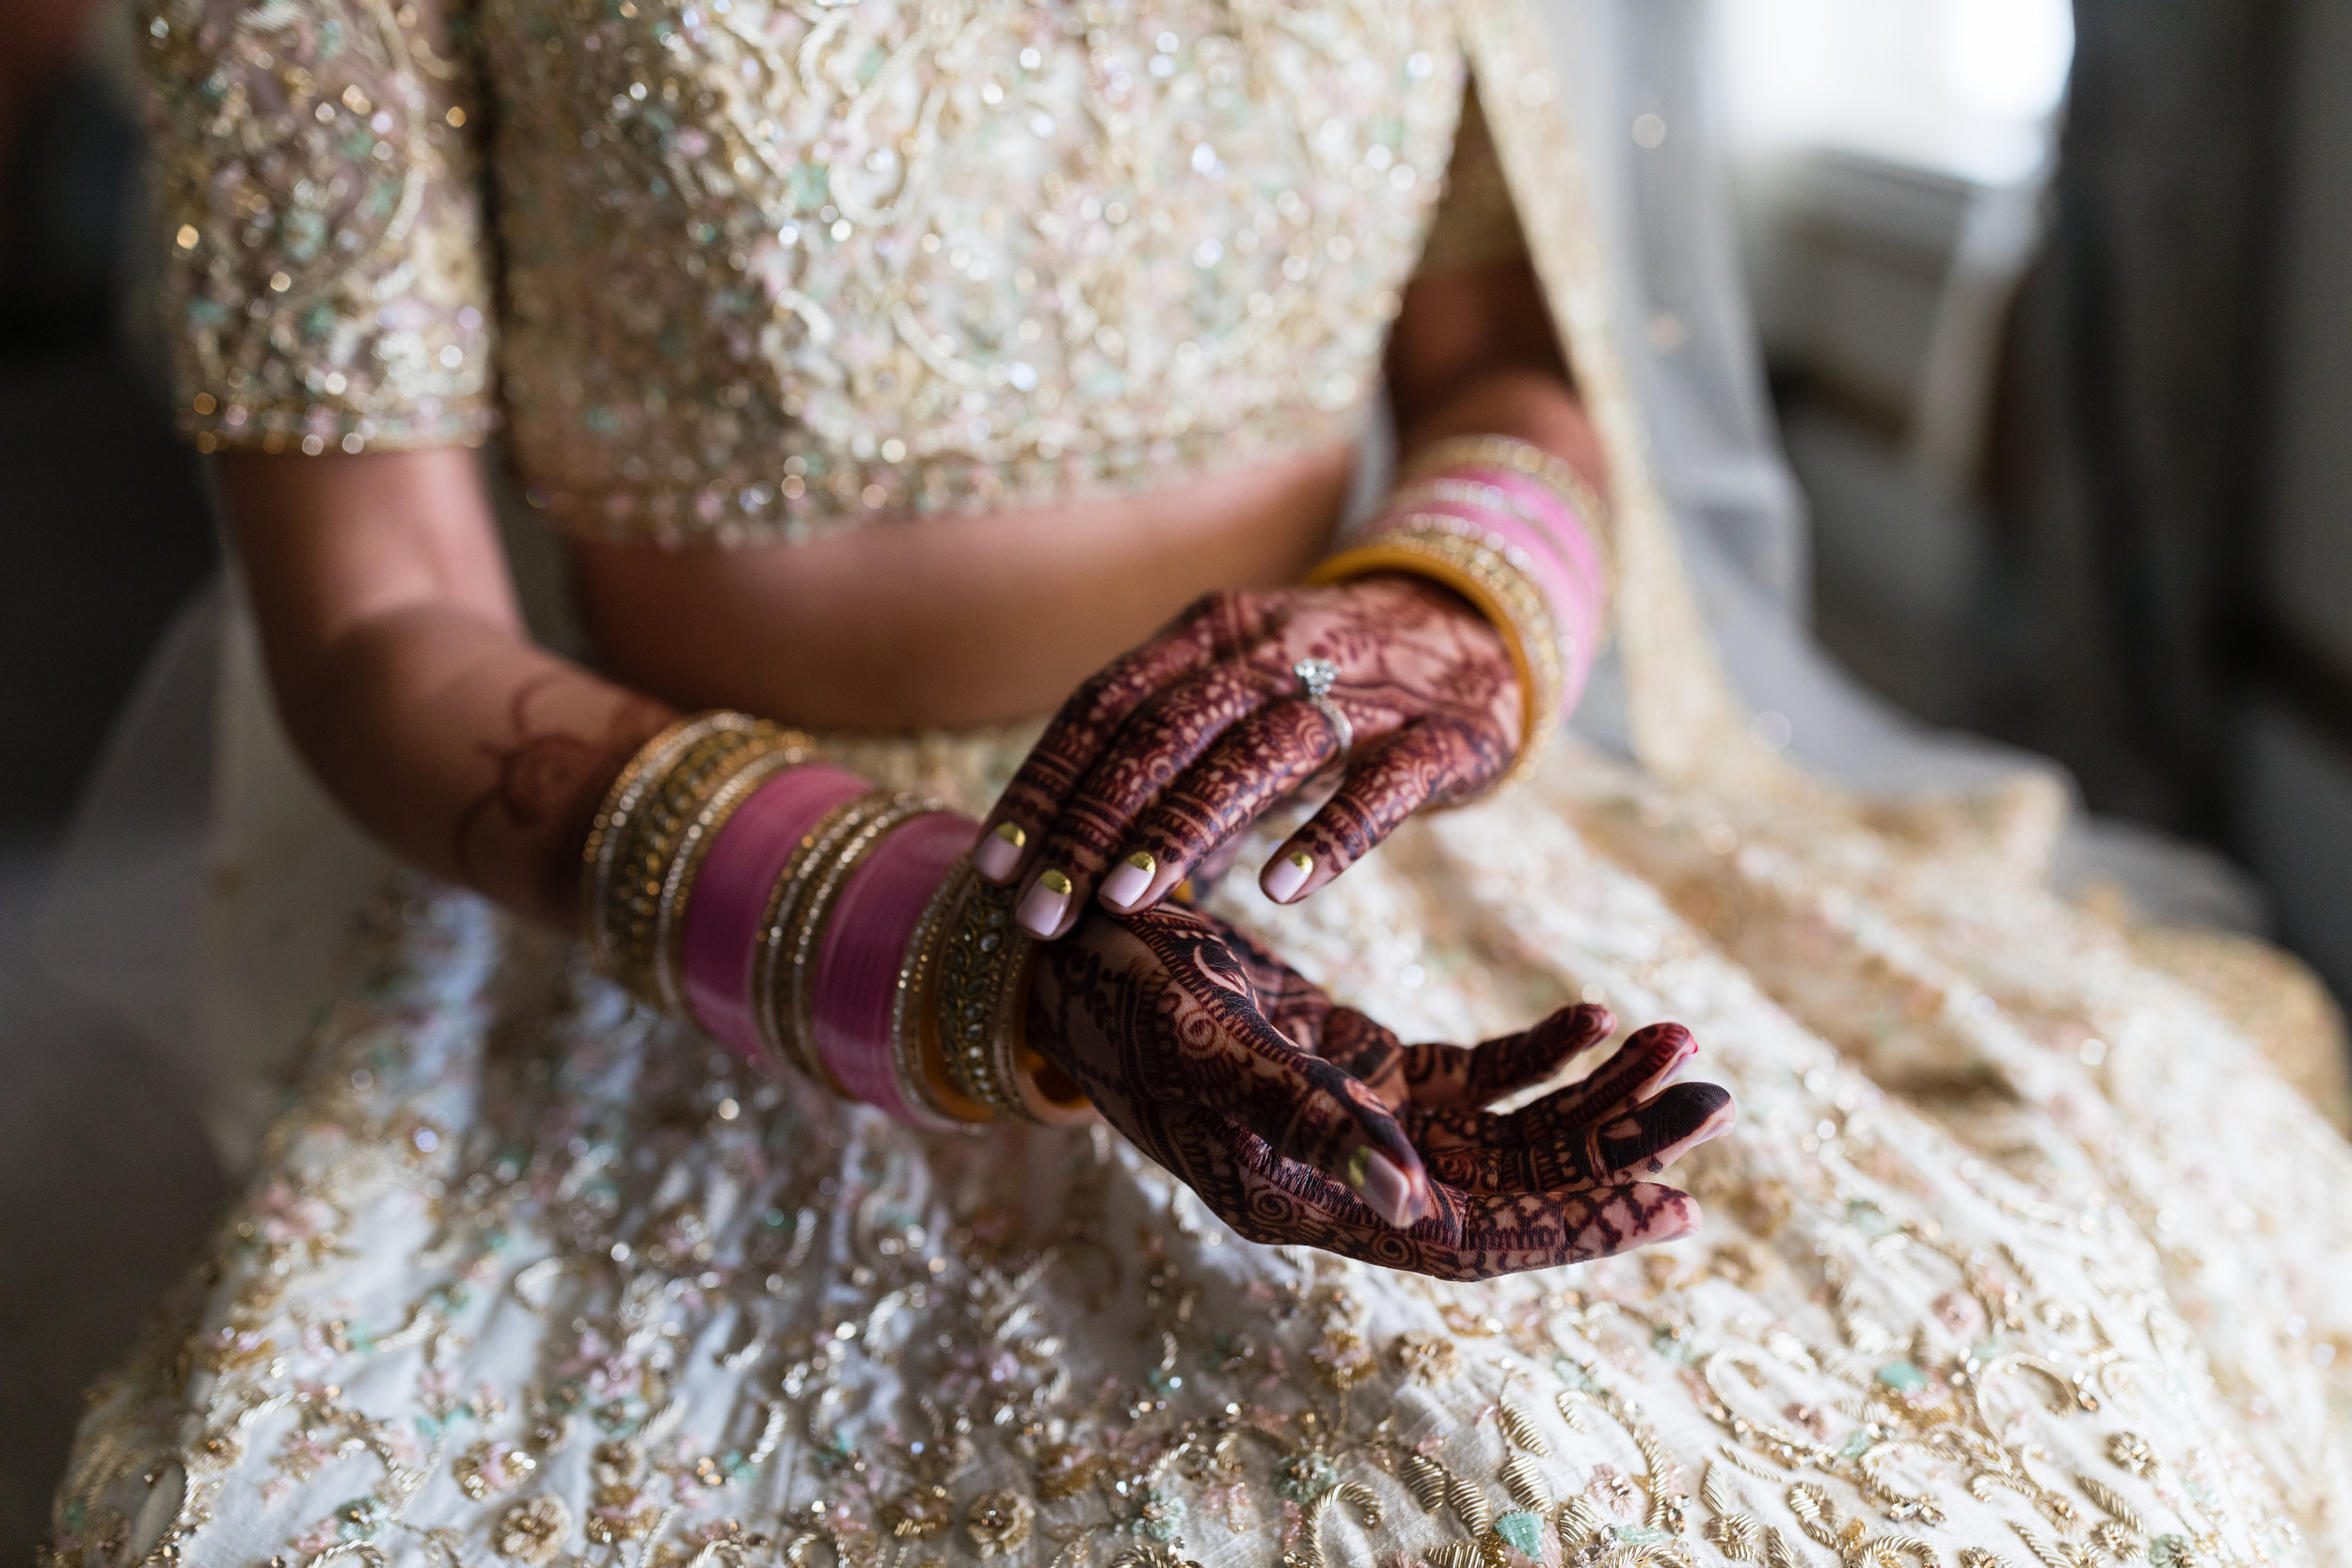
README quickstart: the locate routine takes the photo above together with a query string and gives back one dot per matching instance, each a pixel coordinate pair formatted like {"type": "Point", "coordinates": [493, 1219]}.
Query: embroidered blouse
{"type": "Point", "coordinates": [761, 268]}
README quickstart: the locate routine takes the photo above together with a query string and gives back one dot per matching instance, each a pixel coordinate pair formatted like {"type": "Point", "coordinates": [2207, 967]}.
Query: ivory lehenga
{"type": "Point", "coordinates": [2023, 1250]}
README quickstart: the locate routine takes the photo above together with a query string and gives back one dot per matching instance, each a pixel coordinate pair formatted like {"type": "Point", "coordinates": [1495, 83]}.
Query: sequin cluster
{"type": "Point", "coordinates": [530, 1276]}
{"type": "Point", "coordinates": [770, 266]}
{"type": "Point", "coordinates": [325, 285]}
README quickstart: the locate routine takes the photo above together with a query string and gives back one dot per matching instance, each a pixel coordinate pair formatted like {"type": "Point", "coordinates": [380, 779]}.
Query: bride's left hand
{"type": "Point", "coordinates": [1301, 1122]}
{"type": "Point", "coordinates": [1176, 746]}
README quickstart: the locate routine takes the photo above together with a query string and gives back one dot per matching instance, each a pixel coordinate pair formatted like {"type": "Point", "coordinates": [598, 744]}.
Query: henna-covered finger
{"type": "Point", "coordinates": [1309, 1110]}
{"type": "Point", "coordinates": [1427, 761]}
{"type": "Point", "coordinates": [1438, 1074]}
{"type": "Point", "coordinates": [1167, 734]}
{"type": "Point", "coordinates": [1467, 1236]}
{"type": "Point", "coordinates": [1259, 761]}
{"type": "Point", "coordinates": [1229, 1059]}
{"type": "Point", "coordinates": [1532, 1151]}
{"type": "Point", "coordinates": [1652, 1057]}
{"type": "Point", "coordinates": [1510, 1234]}
{"type": "Point", "coordinates": [1074, 738]}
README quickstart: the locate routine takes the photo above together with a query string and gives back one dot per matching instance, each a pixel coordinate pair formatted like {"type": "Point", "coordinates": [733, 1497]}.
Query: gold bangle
{"type": "Point", "coordinates": [1452, 553]}
{"type": "Point", "coordinates": [981, 1008]}
{"type": "Point", "coordinates": [1550, 470]}
{"type": "Point", "coordinates": [621, 798]}
{"type": "Point", "coordinates": [1447, 489]}
{"type": "Point", "coordinates": [871, 818]}
{"type": "Point", "coordinates": [770, 969]}
{"type": "Point", "coordinates": [641, 845]}
{"type": "Point", "coordinates": [916, 1054]}
{"type": "Point", "coordinates": [767, 756]}
{"type": "Point", "coordinates": [982, 944]}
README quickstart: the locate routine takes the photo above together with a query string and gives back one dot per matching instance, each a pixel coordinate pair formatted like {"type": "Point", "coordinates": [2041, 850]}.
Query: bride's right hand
{"type": "Point", "coordinates": [1333, 1134]}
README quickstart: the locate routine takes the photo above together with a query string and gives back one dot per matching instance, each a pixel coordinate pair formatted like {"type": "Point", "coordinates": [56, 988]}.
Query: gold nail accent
{"type": "Point", "coordinates": [1302, 860]}
{"type": "Point", "coordinates": [1141, 860]}
{"type": "Point", "coordinates": [1010, 832]}
{"type": "Point", "coordinates": [1053, 882]}
{"type": "Point", "coordinates": [1360, 1166]}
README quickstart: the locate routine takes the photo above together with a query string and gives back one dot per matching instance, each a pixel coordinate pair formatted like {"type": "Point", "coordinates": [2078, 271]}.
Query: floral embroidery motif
{"type": "Point", "coordinates": [795, 1331]}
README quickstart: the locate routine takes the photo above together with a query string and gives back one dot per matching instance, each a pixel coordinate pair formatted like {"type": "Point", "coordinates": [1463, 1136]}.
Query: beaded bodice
{"type": "Point", "coordinates": [767, 266]}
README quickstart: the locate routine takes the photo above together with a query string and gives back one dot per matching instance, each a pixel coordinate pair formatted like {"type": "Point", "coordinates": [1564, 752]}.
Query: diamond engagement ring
{"type": "Point", "coordinates": [1316, 676]}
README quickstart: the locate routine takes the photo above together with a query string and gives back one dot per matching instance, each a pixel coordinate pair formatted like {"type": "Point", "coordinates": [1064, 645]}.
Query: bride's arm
{"type": "Point", "coordinates": [1161, 759]}
{"type": "Point", "coordinates": [403, 674]}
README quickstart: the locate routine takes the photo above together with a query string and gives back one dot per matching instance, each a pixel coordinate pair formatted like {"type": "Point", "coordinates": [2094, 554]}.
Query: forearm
{"type": "Point", "coordinates": [476, 754]}
{"type": "Point", "coordinates": [1469, 354]}
{"type": "Point", "coordinates": [407, 681]}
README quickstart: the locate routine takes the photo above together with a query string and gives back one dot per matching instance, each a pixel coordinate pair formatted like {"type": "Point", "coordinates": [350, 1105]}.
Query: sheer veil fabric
{"type": "Point", "coordinates": [2022, 1254]}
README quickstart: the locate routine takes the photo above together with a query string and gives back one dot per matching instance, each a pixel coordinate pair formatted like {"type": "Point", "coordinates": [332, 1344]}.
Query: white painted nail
{"type": "Point", "coordinates": [997, 855]}
{"type": "Point", "coordinates": [1123, 887]}
{"type": "Point", "coordinates": [1384, 1187]}
{"type": "Point", "coordinates": [1041, 907]}
{"type": "Point", "coordinates": [1281, 880]}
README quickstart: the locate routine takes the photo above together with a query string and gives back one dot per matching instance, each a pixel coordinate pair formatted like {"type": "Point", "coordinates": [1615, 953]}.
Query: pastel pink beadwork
{"type": "Point", "coordinates": [857, 968]}
{"type": "Point", "coordinates": [723, 914]}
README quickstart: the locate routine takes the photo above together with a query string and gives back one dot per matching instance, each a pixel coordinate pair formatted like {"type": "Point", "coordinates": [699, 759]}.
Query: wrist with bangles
{"type": "Point", "coordinates": [1515, 532]}
{"type": "Point", "coordinates": [809, 921]}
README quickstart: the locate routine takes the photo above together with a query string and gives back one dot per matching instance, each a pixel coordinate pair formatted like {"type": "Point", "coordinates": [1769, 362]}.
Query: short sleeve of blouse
{"type": "Point", "coordinates": [1475, 225]}
{"type": "Point", "coordinates": [325, 280]}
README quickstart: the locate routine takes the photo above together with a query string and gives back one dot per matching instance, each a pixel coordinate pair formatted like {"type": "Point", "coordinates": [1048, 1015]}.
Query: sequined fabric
{"type": "Point", "coordinates": [326, 283]}
{"type": "Point", "coordinates": [769, 267]}
{"type": "Point", "coordinates": [2020, 1255]}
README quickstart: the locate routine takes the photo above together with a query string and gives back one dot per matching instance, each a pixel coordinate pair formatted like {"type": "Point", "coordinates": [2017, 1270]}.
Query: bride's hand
{"type": "Point", "coordinates": [1302, 1123]}
{"type": "Point", "coordinates": [1180, 744]}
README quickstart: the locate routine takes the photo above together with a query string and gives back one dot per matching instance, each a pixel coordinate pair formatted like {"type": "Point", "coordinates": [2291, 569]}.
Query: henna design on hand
{"type": "Point", "coordinates": [1179, 745]}
{"type": "Point", "coordinates": [546, 782]}
{"type": "Point", "coordinates": [1250, 1085]}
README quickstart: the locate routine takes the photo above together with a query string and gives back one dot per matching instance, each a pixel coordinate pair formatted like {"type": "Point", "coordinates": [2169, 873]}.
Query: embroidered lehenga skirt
{"type": "Point", "coordinates": [2020, 1253]}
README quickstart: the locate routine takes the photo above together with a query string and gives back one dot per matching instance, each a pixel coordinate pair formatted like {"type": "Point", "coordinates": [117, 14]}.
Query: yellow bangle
{"type": "Point", "coordinates": [1425, 546]}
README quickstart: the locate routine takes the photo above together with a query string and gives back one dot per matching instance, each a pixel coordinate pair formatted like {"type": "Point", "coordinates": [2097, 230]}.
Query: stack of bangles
{"type": "Point", "coordinates": [1518, 533]}
{"type": "Point", "coordinates": [808, 920]}
{"type": "Point", "coordinates": [804, 918]}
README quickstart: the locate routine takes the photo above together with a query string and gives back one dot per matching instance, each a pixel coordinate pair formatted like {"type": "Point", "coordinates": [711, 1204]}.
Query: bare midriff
{"type": "Point", "coordinates": [947, 621]}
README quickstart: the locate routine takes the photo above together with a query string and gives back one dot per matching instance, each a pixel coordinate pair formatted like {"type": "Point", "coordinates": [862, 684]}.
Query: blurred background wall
{"type": "Point", "coordinates": [105, 1188]}
{"type": "Point", "coordinates": [2053, 299]}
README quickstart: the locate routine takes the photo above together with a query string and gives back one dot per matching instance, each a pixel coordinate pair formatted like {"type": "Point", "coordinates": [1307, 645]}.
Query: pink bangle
{"type": "Point", "coordinates": [721, 926]}
{"type": "Point", "coordinates": [1535, 555]}
{"type": "Point", "coordinates": [1570, 536]}
{"type": "Point", "coordinates": [857, 968]}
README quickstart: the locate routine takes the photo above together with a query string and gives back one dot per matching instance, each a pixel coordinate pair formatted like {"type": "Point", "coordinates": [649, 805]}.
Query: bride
{"type": "Point", "coordinates": [808, 1101]}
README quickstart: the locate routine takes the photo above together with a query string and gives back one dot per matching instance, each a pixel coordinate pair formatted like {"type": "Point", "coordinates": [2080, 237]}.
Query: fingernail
{"type": "Point", "coordinates": [1383, 1186]}
{"type": "Point", "coordinates": [1000, 851]}
{"type": "Point", "coordinates": [1041, 907]}
{"type": "Point", "coordinates": [1285, 877]}
{"type": "Point", "coordinates": [1122, 887]}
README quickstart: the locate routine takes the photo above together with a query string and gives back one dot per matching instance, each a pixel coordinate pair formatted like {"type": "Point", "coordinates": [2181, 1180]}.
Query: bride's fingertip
{"type": "Point", "coordinates": [999, 850]}
{"type": "Point", "coordinates": [1285, 875]}
{"type": "Point", "coordinates": [1384, 1188]}
{"type": "Point", "coordinates": [1677, 1067]}
{"type": "Point", "coordinates": [1125, 887]}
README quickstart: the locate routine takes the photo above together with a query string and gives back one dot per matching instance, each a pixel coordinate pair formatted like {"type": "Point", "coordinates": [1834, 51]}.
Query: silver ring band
{"type": "Point", "coordinates": [1316, 676]}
